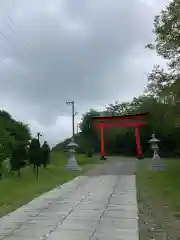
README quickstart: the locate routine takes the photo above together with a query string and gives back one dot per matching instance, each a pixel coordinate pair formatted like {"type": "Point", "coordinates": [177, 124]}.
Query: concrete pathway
{"type": "Point", "coordinates": [89, 207]}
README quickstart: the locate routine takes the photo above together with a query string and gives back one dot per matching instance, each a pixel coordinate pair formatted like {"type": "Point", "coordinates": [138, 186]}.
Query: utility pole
{"type": "Point", "coordinates": [39, 135]}
{"type": "Point", "coordinates": [72, 103]}
{"type": "Point", "coordinates": [72, 163]}
{"type": "Point", "coordinates": [77, 128]}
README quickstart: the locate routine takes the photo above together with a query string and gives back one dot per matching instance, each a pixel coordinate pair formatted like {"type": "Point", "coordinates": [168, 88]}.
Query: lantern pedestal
{"type": "Point", "coordinates": [72, 163]}
{"type": "Point", "coordinates": [157, 163]}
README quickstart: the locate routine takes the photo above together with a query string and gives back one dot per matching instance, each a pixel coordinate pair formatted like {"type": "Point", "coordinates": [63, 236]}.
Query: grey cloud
{"type": "Point", "coordinates": [54, 51]}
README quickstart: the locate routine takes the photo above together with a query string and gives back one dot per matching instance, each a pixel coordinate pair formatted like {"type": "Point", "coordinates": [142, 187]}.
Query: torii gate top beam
{"type": "Point", "coordinates": [133, 120]}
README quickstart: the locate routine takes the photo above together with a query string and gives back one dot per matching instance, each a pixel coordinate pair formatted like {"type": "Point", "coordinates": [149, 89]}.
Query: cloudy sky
{"type": "Point", "coordinates": [90, 51]}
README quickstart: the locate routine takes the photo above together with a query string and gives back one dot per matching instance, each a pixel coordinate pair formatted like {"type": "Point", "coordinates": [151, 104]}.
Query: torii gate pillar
{"type": "Point", "coordinates": [102, 142]}
{"type": "Point", "coordinates": [138, 142]}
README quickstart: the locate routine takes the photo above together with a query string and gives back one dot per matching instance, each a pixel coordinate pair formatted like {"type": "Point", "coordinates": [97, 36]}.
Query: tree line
{"type": "Point", "coordinates": [161, 99]}
{"type": "Point", "coordinates": [17, 147]}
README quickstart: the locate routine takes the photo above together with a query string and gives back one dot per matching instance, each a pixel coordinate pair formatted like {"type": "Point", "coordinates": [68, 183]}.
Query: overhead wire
{"type": "Point", "coordinates": [23, 46]}
{"type": "Point", "coordinates": [11, 19]}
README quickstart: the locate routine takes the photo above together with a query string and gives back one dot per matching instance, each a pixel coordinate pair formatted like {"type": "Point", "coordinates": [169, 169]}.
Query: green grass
{"type": "Point", "coordinates": [16, 191]}
{"type": "Point", "coordinates": [161, 186]}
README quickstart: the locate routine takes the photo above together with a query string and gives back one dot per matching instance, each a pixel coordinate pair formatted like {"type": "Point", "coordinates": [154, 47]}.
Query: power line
{"type": "Point", "coordinates": [9, 26]}
{"type": "Point", "coordinates": [11, 19]}
{"type": "Point", "coordinates": [15, 43]}
{"type": "Point", "coordinates": [2, 34]}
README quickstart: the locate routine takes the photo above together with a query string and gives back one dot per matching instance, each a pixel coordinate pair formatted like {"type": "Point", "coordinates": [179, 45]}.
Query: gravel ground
{"type": "Point", "coordinates": [156, 219]}
{"type": "Point", "coordinates": [114, 166]}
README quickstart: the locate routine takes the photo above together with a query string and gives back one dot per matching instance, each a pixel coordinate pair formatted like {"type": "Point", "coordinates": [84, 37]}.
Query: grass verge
{"type": "Point", "coordinates": [162, 187]}
{"type": "Point", "coordinates": [16, 191]}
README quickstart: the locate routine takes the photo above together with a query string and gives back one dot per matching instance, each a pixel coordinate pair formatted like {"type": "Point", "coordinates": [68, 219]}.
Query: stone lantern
{"type": "Point", "coordinates": [157, 163]}
{"type": "Point", "coordinates": [72, 163]}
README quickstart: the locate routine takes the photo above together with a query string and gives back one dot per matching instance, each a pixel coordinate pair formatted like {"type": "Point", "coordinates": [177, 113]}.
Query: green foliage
{"type": "Point", "coordinates": [88, 132]}
{"type": "Point", "coordinates": [45, 154]}
{"type": "Point", "coordinates": [19, 156]}
{"type": "Point", "coordinates": [34, 152]}
{"type": "Point", "coordinates": [119, 108]}
{"type": "Point", "coordinates": [166, 28]}
{"type": "Point", "coordinates": [86, 124]}
{"type": "Point", "coordinates": [166, 85]}
{"type": "Point", "coordinates": [11, 133]}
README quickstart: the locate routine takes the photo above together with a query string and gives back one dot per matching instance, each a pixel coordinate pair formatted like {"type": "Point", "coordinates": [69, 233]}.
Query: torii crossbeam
{"type": "Point", "coordinates": [136, 121]}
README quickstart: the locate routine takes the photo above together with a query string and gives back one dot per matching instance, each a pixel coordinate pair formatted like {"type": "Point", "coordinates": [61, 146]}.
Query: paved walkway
{"type": "Point", "coordinates": [89, 207]}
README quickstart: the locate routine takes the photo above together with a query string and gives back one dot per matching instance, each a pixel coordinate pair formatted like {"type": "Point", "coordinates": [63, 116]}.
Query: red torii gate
{"type": "Point", "coordinates": [136, 121]}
